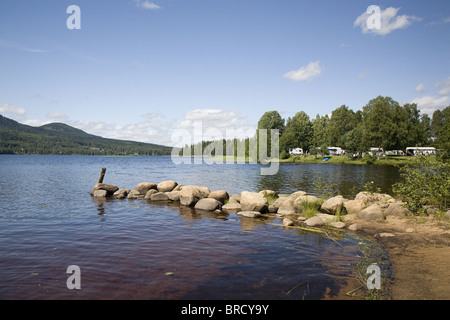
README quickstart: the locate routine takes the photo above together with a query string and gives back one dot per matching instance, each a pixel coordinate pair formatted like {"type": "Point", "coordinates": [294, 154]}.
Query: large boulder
{"type": "Point", "coordinates": [354, 206]}
{"type": "Point", "coordinates": [397, 210]}
{"type": "Point", "coordinates": [173, 195]}
{"type": "Point", "coordinates": [372, 197]}
{"type": "Point", "coordinates": [314, 222]}
{"type": "Point", "coordinates": [219, 195]}
{"type": "Point", "coordinates": [159, 196]}
{"type": "Point", "coordinates": [373, 212]}
{"type": "Point", "coordinates": [208, 204]}
{"type": "Point", "coordinates": [143, 187]}
{"type": "Point", "coordinates": [253, 201]}
{"type": "Point", "coordinates": [190, 195]}
{"type": "Point", "coordinates": [285, 205]}
{"type": "Point", "coordinates": [333, 205]}
{"type": "Point", "coordinates": [166, 186]}
{"type": "Point", "coordinates": [109, 188]}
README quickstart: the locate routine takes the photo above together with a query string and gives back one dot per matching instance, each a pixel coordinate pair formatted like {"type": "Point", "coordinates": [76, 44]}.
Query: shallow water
{"type": "Point", "coordinates": [134, 249]}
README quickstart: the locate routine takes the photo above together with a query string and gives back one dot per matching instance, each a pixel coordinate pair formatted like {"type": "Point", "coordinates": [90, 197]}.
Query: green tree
{"type": "Point", "coordinates": [298, 132]}
{"type": "Point", "coordinates": [319, 133]}
{"type": "Point", "coordinates": [380, 123]}
{"type": "Point", "coordinates": [270, 120]}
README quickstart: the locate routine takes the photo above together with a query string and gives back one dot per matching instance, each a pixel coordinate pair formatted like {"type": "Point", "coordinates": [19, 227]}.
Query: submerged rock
{"type": "Point", "coordinates": [250, 214]}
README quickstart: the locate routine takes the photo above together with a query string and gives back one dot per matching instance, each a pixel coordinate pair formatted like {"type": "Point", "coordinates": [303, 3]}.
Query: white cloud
{"type": "Point", "coordinates": [306, 73]}
{"type": "Point", "coordinates": [13, 112]}
{"type": "Point", "coordinates": [445, 85]}
{"type": "Point", "coordinates": [389, 21]}
{"type": "Point", "coordinates": [148, 5]}
{"type": "Point", "coordinates": [420, 88]}
{"type": "Point", "coordinates": [429, 104]}
{"type": "Point", "coordinates": [20, 47]}
{"type": "Point", "coordinates": [57, 116]}
{"type": "Point", "coordinates": [362, 75]}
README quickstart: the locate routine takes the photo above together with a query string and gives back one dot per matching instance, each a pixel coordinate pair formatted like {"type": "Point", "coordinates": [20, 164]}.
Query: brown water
{"type": "Point", "coordinates": [134, 249]}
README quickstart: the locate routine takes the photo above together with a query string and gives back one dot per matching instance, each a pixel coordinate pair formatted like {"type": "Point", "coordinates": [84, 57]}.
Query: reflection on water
{"type": "Point", "coordinates": [136, 249]}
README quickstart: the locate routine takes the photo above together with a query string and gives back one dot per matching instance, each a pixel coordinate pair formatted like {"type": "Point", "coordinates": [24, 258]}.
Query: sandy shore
{"type": "Point", "coordinates": [419, 249]}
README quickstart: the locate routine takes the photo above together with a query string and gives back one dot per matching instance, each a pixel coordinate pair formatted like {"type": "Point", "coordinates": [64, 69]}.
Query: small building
{"type": "Point", "coordinates": [335, 151]}
{"type": "Point", "coordinates": [296, 152]}
{"type": "Point", "coordinates": [420, 151]}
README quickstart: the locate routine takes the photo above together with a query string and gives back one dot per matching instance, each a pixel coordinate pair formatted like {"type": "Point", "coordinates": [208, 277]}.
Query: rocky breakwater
{"type": "Point", "coordinates": [298, 208]}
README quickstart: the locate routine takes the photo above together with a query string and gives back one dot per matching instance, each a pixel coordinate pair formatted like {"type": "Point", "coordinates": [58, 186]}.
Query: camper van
{"type": "Point", "coordinates": [335, 151]}
{"type": "Point", "coordinates": [296, 152]}
{"type": "Point", "coordinates": [415, 151]}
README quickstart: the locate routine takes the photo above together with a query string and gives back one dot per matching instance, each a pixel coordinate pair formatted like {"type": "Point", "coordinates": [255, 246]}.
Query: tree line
{"type": "Point", "coordinates": [382, 123]}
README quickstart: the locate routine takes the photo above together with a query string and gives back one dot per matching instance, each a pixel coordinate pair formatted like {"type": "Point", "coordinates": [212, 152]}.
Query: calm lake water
{"type": "Point", "coordinates": [134, 249]}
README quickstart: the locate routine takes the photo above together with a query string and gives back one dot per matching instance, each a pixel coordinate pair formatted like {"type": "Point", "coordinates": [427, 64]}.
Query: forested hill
{"type": "Point", "coordinates": [60, 138]}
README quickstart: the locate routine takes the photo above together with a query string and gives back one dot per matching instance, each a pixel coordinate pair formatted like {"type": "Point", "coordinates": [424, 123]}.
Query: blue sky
{"type": "Point", "coordinates": [139, 69]}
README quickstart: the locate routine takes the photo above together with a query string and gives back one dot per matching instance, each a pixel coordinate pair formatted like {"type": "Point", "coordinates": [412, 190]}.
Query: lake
{"type": "Point", "coordinates": [135, 249]}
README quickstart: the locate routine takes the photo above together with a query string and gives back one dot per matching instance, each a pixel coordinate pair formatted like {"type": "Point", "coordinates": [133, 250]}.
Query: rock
{"type": "Point", "coordinates": [231, 206]}
{"type": "Point", "coordinates": [410, 230]}
{"type": "Point", "coordinates": [306, 200]}
{"type": "Point", "coordinates": [178, 188]}
{"type": "Point", "coordinates": [166, 186]}
{"type": "Point", "coordinates": [219, 195]}
{"type": "Point", "coordinates": [149, 193]}
{"type": "Point", "coordinates": [269, 193]}
{"type": "Point", "coordinates": [253, 201]}
{"type": "Point", "coordinates": [173, 195]}
{"type": "Point", "coordinates": [250, 214]}
{"type": "Point", "coordinates": [109, 188]}
{"type": "Point", "coordinates": [190, 195]}
{"type": "Point", "coordinates": [235, 197]}
{"type": "Point", "coordinates": [121, 193]}
{"type": "Point", "coordinates": [355, 227]}
{"type": "Point", "coordinates": [386, 235]}
{"type": "Point", "coordinates": [272, 209]}
{"type": "Point", "coordinates": [287, 205]}
{"type": "Point", "coordinates": [100, 193]}
{"type": "Point", "coordinates": [374, 212]}
{"type": "Point", "coordinates": [209, 204]}
{"type": "Point", "coordinates": [297, 194]}
{"type": "Point", "coordinates": [338, 224]}
{"type": "Point", "coordinates": [314, 221]}
{"type": "Point", "coordinates": [301, 218]}
{"type": "Point", "coordinates": [327, 218]}
{"type": "Point", "coordinates": [371, 197]}
{"type": "Point", "coordinates": [397, 210]}
{"type": "Point", "coordinates": [159, 196]}
{"type": "Point", "coordinates": [354, 206]}
{"type": "Point", "coordinates": [447, 214]}
{"type": "Point", "coordinates": [143, 187]}
{"type": "Point", "coordinates": [134, 194]}
{"type": "Point", "coordinates": [333, 205]}
{"type": "Point", "coordinates": [287, 222]}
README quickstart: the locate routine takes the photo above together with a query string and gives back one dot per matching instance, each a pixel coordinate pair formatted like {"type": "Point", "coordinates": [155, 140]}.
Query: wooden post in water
{"type": "Point", "coordinates": [102, 175]}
